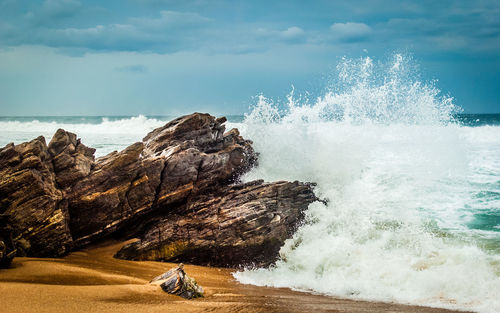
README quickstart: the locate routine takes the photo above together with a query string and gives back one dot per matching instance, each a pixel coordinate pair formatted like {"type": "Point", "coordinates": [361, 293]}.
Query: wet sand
{"type": "Point", "coordinates": [93, 281]}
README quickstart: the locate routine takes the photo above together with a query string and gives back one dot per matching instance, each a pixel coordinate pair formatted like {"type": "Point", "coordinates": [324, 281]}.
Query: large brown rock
{"type": "Point", "coordinates": [174, 190]}
{"type": "Point", "coordinates": [7, 246]}
{"type": "Point", "coordinates": [184, 157]}
{"type": "Point", "coordinates": [30, 198]}
{"type": "Point", "coordinates": [241, 224]}
{"type": "Point", "coordinates": [71, 159]}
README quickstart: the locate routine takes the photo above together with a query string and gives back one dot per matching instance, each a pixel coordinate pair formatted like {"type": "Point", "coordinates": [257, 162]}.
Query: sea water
{"type": "Point", "coordinates": [413, 186]}
{"type": "Point", "coordinates": [413, 190]}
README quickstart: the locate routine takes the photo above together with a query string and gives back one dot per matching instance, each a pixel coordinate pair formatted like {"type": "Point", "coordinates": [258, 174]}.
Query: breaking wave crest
{"type": "Point", "coordinates": [103, 133]}
{"type": "Point", "coordinates": [406, 187]}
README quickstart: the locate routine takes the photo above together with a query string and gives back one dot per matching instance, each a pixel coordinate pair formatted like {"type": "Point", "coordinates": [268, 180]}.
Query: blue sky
{"type": "Point", "coordinates": [159, 57]}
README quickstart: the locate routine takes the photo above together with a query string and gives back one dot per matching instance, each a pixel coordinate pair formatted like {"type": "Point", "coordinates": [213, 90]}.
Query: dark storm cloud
{"type": "Point", "coordinates": [166, 26]}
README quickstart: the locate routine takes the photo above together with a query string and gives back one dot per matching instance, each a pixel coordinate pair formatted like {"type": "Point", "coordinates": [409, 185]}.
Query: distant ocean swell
{"type": "Point", "coordinates": [106, 134]}
{"type": "Point", "coordinates": [413, 187]}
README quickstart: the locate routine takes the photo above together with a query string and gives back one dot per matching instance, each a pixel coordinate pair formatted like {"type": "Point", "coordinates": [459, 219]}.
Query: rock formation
{"type": "Point", "coordinates": [177, 282]}
{"type": "Point", "coordinates": [30, 198]}
{"type": "Point", "coordinates": [183, 157]}
{"type": "Point", "coordinates": [240, 224]}
{"type": "Point", "coordinates": [7, 246]}
{"type": "Point", "coordinates": [177, 191]}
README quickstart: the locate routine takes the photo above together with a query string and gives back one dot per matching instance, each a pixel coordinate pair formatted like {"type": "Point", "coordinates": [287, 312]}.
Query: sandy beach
{"type": "Point", "coordinates": [91, 280]}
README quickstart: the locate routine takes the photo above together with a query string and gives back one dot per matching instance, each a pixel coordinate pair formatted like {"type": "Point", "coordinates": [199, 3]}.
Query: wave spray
{"type": "Point", "coordinates": [405, 185]}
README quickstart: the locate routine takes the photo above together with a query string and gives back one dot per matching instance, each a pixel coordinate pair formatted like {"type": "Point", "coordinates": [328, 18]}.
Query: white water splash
{"type": "Point", "coordinates": [401, 180]}
{"type": "Point", "coordinates": [106, 136]}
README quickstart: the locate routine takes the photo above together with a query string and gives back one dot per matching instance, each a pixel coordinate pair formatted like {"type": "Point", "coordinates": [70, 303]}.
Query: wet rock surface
{"type": "Point", "coordinates": [177, 191]}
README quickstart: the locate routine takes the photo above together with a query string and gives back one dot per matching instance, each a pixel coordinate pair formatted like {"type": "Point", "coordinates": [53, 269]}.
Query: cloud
{"type": "Point", "coordinates": [136, 68]}
{"type": "Point", "coordinates": [7, 3]}
{"type": "Point", "coordinates": [170, 32]}
{"type": "Point", "coordinates": [415, 27]}
{"type": "Point", "coordinates": [170, 20]}
{"type": "Point", "coordinates": [292, 34]}
{"type": "Point", "coordinates": [52, 11]}
{"type": "Point", "coordinates": [450, 43]}
{"type": "Point", "coordinates": [350, 32]}
{"type": "Point", "coordinates": [60, 8]}
{"type": "Point", "coordinates": [100, 37]}
{"type": "Point", "coordinates": [170, 3]}
{"type": "Point", "coordinates": [471, 31]}
{"type": "Point", "coordinates": [74, 26]}
{"type": "Point", "coordinates": [6, 28]}
{"type": "Point", "coordinates": [8, 33]}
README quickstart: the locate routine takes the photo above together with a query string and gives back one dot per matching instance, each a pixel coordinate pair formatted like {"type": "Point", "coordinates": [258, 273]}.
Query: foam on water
{"type": "Point", "coordinates": [106, 135]}
{"type": "Point", "coordinates": [405, 185]}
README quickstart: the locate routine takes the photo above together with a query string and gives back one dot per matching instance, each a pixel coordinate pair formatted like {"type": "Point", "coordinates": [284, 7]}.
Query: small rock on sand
{"type": "Point", "coordinates": [177, 282]}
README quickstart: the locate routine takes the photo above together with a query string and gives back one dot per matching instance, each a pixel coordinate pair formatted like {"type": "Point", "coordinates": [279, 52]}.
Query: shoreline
{"type": "Point", "coordinates": [91, 280]}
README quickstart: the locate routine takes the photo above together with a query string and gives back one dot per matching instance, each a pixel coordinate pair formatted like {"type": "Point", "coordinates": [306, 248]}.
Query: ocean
{"type": "Point", "coordinates": [412, 185]}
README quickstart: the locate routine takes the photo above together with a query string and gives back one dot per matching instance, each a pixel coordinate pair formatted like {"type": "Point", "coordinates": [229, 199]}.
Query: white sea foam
{"type": "Point", "coordinates": [106, 135]}
{"type": "Point", "coordinates": [402, 181]}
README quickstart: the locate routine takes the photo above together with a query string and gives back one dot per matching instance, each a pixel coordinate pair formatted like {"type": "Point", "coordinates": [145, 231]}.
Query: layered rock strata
{"type": "Point", "coordinates": [177, 282]}
{"type": "Point", "coordinates": [7, 246]}
{"type": "Point", "coordinates": [240, 224]}
{"type": "Point", "coordinates": [177, 191]}
{"type": "Point", "coordinates": [32, 201]}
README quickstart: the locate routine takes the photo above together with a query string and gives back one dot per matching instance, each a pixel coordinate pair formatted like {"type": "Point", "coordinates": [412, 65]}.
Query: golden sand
{"type": "Point", "coordinates": [93, 281]}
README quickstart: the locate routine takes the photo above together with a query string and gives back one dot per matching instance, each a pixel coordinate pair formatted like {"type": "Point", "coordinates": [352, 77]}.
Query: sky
{"type": "Point", "coordinates": [165, 57]}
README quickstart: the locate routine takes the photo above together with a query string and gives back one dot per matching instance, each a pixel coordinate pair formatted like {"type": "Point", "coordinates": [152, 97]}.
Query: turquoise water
{"type": "Point", "coordinates": [474, 120]}
{"type": "Point", "coordinates": [464, 119]}
{"type": "Point", "coordinates": [93, 120]}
